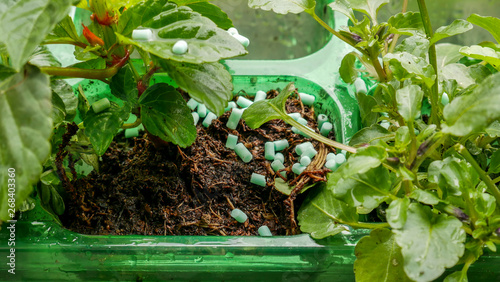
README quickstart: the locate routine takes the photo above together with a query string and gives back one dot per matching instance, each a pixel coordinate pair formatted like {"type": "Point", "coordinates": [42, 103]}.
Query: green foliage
{"type": "Point", "coordinates": [488, 23]}
{"type": "Point", "coordinates": [283, 6]}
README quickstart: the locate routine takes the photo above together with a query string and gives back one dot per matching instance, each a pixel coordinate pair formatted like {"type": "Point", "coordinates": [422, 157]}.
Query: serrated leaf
{"type": "Point", "coordinates": [424, 258]}
{"type": "Point", "coordinates": [456, 27]}
{"type": "Point", "coordinates": [58, 109]}
{"type": "Point", "coordinates": [208, 83]}
{"type": "Point", "coordinates": [366, 190]}
{"type": "Point", "coordinates": [165, 114]}
{"type": "Point", "coordinates": [344, 7]}
{"type": "Point", "coordinates": [320, 214]}
{"type": "Point", "coordinates": [396, 212]}
{"type": "Point", "coordinates": [65, 92]}
{"type": "Point", "coordinates": [371, 135]}
{"type": "Point", "coordinates": [283, 6]}
{"type": "Point", "coordinates": [212, 12]}
{"type": "Point", "coordinates": [347, 69]}
{"type": "Point", "coordinates": [474, 112]}
{"type": "Point", "coordinates": [368, 7]}
{"type": "Point", "coordinates": [488, 23]}
{"type": "Point", "coordinates": [124, 86]}
{"type": "Point", "coordinates": [408, 66]}
{"type": "Point", "coordinates": [25, 24]}
{"type": "Point", "coordinates": [447, 53]}
{"type": "Point", "coordinates": [409, 100]}
{"type": "Point", "coordinates": [25, 128]}
{"type": "Point", "coordinates": [408, 23]}
{"type": "Point", "coordinates": [486, 54]}
{"type": "Point", "coordinates": [102, 127]}
{"type": "Point", "coordinates": [64, 30]}
{"type": "Point", "coordinates": [140, 13]}
{"type": "Point", "coordinates": [379, 258]}
{"type": "Point", "coordinates": [42, 57]}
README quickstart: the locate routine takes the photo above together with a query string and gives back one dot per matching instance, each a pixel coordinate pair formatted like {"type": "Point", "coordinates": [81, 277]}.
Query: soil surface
{"type": "Point", "coordinates": [141, 189]}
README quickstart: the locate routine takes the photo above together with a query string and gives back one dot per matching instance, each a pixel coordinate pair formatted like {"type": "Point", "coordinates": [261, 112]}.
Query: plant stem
{"type": "Point", "coordinates": [81, 73]}
{"type": "Point", "coordinates": [317, 136]}
{"type": "Point", "coordinates": [496, 180]}
{"type": "Point", "coordinates": [434, 91]}
{"type": "Point", "coordinates": [382, 76]}
{"type": "Point", "coordinates": [136, 123]}
{"type": "Point", "coordinates": [70, 42]}
{"type": "Point", "coordinates": [427, 153]}
{"type": "Point", "coordinates": [482, 174]}
{"type": "Point", "coordinates": [331, 30]}
{"type": "Point", "coordinates": [354, 224]}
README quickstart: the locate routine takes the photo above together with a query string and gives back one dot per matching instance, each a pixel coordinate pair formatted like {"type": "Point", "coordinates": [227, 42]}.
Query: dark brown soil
{"type": "Point", "coordinates": [141, 189]}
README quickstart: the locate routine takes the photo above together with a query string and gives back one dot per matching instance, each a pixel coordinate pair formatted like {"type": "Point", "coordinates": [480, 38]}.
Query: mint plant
{"type": "Point", "coordinates": [431, 173]}
{"type": "Point", "coordinates": [37, 107]}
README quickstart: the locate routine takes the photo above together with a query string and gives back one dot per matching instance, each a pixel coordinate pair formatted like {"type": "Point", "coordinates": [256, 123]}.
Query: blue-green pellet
{"type": "Point", "coordinates": [234, 118]}
{"type": "Point", "coordinates": [307, 99]}
{"type": "Point", "coordinates": [326, 128]}
{"type": "Point", "coordinates": [192, 104]}
{"type": "Point", "coordinates": [232, 31]}
{"type": "Point", "coordinates": [299, 149]}
{"type": "Point", "coordinates": [360, 85]}
{"type": "Point", "coordinates": [309, 153]}
{"type": "Point", "coordinates": [238, 215]}
{"type": "Point", "coordinates": [196, 117]}
{"type": "Point", "coordinates": [131, 132]}
{"type": "Point", "coordinates": [281, 144]}
{"type": "Point", "coordinates": [260, 95]}
{"type": "Point", "coordinates": [208, 119]}
{"type": "Point", "coordinates": [296, 130]}
{"type": "Point", "coordinates": [202, 110]}
{"type": "Point", "coordinates": [101, 105]}
{"type": "Point", "coordinates": [385, 124]}
{"type": "Point", "coordinates": [142, 34]}
{"type": "Point", "coordinates": [322, 118]}
{"type": "Point", "coordinates": [231, 142]}
{"type": "Point", "coordinates": [269, 151]}
{"type": "Point", "coordinates": [243, 152]}
{"type": "Point", "coordinates": [303, 133]}
{"type": "Point", "coordinates": [279, 157]}
{"type": "Point", "coordinates": [330, 156]}
{"type": "Point", "coordinates": [340, 159]}
{"type": "Point", "coordinates": [264, 231]}
{"type": "Point", "coordinates": [180, 47]}
{"type": "Point", "coordinates": [258, 179]}
{"type": "Point", "coordinates": [295, 116]}
{"type": "Point", "coordinates": [331, 164]}
{"type": "Point", "coordinates": [305, 160]}
{"type": "Point", "coordinates": [343, 152]}
{"type": "Point", "coordinates": [243, 102]}
{"type": "Point", "coordinates": [230, 105]}
{"type": "Point", "coordinates": [445, 100]}
{"type": "Point", "coordinates": [242, 39]}
{"type": "Point", "coordinates": [297, 168]}
{"type": "Point", "coordinates": [277, 165]}
{"type": "Point", "coordinates": [302, 121]}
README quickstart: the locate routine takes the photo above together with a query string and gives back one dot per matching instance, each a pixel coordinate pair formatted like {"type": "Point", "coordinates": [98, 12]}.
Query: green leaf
{"type": "Point", "coordinates": [366, 104]}
{"type": "Point", "coordinates": [371, 135]}
{"type": "Point", "coordinates": [212, 12]}
{"type": "Point", "coordinates": [92, 64]}
{"type": "Point", "coordinates": [457, 276]}
{"type": "Point", "coordinates": [408, 66]}
{"type": "Point", "coordinates": [494, 129]}
{"type": "Point", "coordinates": [403, 139]}
{"type": "Point", "coordinates": [486, 54]}
{"type": "Point", "coordinates": [453, 173]}
{"type": "Point", "coordinates": [25, 129]}
{"type": "Point", "coordinates": [284, 6]}
{"type": "Point", "coordinates": [458, 72]}
{"type": "Point", "coordinates": [286, 189]}
{"type": "Point", "coordinates": [6, 71]}
{"type": "Point", "coordinates": [409, 100]}
{"type": "Point", "coordinates": [416, 45]}
{"type": "Point", "coordinates": [42, 57]}
{"type": "Point", "coordinates": [58, 109]}
{"type": "Point", "coordinates": [165, 114]}
{"type": "Point", "coordinates": [365, 189]}
{"type": "Point", "coordinates": [263, 111]}
{"type": "Point", "coordinates": [321, 213]}
{"type": "Point", "coordinates": [347, 69]}
{"type": "Point", "coordinates": [208, 83]}
{"type": "Point", "coordinates": [429, 242]}
{"type": "Point", "coordinates": [64, 91]}
{"type": "Point", "coordinates": [474, 112]}
{"type": "Point", "coordinates": [408, 23]}
{"type": "Point", "coordinates": [83, 103]}
{"type": "Point", "coordinates": [86, 54]}
{"type": "Point", "coordinates": [456, 27]}
{"type": "Point", "coordinates": [344, 7]}
{"type": "Point", "coordinates": [489, 23]}
{"type": "Point", "coordinates": [495, 162]}
{"type": "Point", "coordinates": [206, 42]}
{"type": "Point", "coordinates": [368, 7]}
{"type": "Point", "coordinates": [379, 258]}
{"type": "Point", "coordinates": [102, 127]}
{"type": "Point", "coordinates": [396, 212]}
{"type": "Point", "coordinates": [64, 30]}
{"type": "Point", "coordinates": [485, 204]}
{"type": "Point", "coordinates": [425, 197]}
{"type": "Point", "coordinates": [447, 53]}
{"type": "Point", "coordinates": [124, 86]}
{"type": "Point", "coordinates": [24, 25]}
